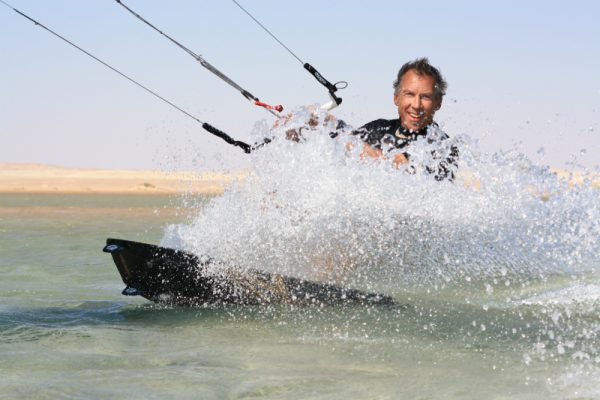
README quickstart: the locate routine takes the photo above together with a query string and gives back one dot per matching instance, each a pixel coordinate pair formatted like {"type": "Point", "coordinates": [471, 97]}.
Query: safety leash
{"type": "Point", "coordinates": [208, 127]}
{"type": "Point", "coordinates": [331, 87]}
{"type": "Point", "coordinates": [208, 66]}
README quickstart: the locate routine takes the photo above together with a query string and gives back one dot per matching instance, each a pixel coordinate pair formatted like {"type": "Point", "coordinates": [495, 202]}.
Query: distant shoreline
{"type": "Point", "coordinates": [46, 179]}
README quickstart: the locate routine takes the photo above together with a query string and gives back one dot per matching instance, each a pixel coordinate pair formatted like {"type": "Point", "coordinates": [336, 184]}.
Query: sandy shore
{"type": "Point", "coordinates": [39, 178]}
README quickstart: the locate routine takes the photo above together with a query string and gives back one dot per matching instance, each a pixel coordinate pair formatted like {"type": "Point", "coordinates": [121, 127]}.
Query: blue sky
{"type": "Point", "coordinates": [519, 72]}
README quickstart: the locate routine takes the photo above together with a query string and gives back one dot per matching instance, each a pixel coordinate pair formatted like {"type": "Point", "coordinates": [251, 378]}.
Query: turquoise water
{"type": "Point", "coordinates": [67, 332]}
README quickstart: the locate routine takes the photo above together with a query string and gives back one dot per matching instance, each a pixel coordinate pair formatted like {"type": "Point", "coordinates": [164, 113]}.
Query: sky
{"type": "Point", "coordinates": [521, 74]}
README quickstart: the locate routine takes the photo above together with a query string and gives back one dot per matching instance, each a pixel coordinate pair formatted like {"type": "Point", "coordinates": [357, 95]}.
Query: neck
{"type": "Point", "coordinates": [420, 131]}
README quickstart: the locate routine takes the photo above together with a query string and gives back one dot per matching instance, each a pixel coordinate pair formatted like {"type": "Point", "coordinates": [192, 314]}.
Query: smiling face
{"type": "Point", "coordinates": [416, 100]}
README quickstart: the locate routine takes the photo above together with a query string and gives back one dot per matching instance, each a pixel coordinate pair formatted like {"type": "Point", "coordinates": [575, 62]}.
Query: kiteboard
{"type": "Point", "coordinates": [174, 277]}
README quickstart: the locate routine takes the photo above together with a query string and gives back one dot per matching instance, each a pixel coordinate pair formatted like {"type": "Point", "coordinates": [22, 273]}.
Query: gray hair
{"type": "Point", "coordinates": [422, 67]}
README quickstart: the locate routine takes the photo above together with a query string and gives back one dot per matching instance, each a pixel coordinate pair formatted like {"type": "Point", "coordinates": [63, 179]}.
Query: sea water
{"type": "Point", "coordinates": [495, 276]}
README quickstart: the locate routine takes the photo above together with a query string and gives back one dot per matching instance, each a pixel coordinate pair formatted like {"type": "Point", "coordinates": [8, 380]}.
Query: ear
{"type": "Point", "coordinates": [439, 104]}
{"type": "Point", "coordinates": [397, 98]}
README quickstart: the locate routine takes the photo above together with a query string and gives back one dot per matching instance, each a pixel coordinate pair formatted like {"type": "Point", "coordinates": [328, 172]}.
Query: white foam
{"type": "Point", "coordinates": [576, 294]}
{"type": "Point", "coordinates": [314, 209]}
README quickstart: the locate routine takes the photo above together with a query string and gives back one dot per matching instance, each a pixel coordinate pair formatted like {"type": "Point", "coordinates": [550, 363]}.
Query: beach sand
{"type": "Point", "coordinates": [40, 178]}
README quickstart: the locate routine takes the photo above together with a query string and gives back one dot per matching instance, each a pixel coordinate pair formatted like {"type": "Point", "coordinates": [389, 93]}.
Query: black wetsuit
{"type": "Point", "coordinates": [390, 133]}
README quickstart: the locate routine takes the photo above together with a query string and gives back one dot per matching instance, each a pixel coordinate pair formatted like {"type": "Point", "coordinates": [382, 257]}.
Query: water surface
{"type": "Point", "coordinates": [66, 332]}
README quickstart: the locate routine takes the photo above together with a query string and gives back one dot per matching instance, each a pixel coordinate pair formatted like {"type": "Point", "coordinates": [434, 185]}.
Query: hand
{"type": "Point", "coordinates": [369, 151]}
{"type": "Point", "coordinates": [399, 159]}
{"type": "Point", "coordinates": [375, 153]}
{"type": "Point", "coordinates": [314, 118]}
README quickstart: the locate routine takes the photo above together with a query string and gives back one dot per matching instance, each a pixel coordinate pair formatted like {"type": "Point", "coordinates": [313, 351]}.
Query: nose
{"type": "Point", "coordinates": [416, 103]}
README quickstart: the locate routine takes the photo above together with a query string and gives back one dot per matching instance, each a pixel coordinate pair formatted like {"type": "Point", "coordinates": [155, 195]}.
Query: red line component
{"type": "Point", "coordinates": [278, 107]}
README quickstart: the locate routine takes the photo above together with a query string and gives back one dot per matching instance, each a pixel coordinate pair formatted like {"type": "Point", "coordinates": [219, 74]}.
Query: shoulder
{"type": "Point", "coordinates": [372, 132]}
{"type": "Point", "coordinates": [379, 124]}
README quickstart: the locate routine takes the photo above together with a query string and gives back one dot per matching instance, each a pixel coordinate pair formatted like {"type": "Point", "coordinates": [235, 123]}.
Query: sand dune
{"type": "Point", "coordinates": [40, 178]}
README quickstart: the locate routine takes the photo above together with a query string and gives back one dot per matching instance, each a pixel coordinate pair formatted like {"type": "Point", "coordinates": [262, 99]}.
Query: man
{"type": "Point", "coordinates": [418, 93]}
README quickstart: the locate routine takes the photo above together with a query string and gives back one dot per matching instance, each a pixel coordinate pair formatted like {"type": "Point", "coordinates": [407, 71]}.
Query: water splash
{"type": "Point", "coordinates": [315, 209]}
